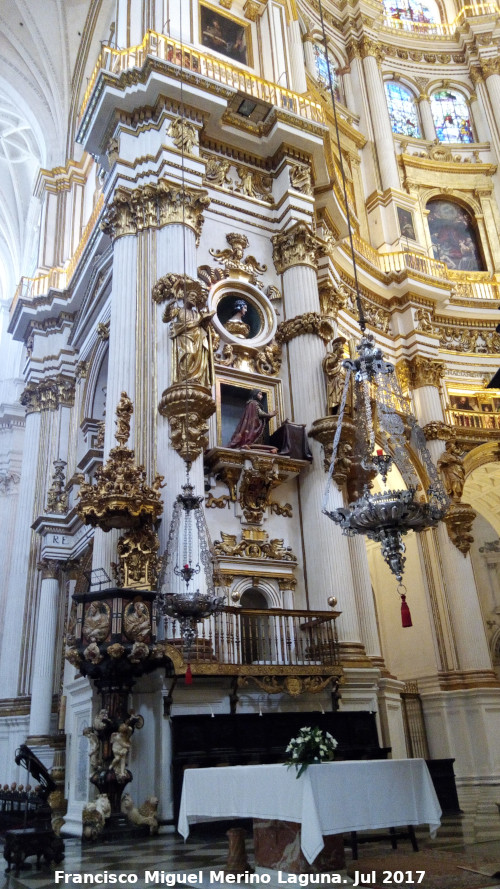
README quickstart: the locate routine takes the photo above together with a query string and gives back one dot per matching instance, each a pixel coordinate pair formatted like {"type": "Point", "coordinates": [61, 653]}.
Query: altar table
{"type": "Point", "coordinates": [328, 798]}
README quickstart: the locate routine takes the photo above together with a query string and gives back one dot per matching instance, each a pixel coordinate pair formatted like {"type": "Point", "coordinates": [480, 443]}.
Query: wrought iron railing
{"type": "Point", "coordinates": [164, 48]}
{"type": "Point", "coordinates": [249, 638]}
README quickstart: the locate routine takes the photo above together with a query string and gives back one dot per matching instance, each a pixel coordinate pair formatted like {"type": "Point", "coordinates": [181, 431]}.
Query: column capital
{"type": "Point", "coordinates": [48, 395]}
{"type": "Point", "coordinates": [425, 372]}
{"type": "Point", "coordinates": [154, 206]}
{"type": "Point", "coordinates": [296, 246]}
{"type": "Point", "coordinates": [490, 66]}
{"type": "Point", "coordinates": [370, 48]}
{"type": "Point", "coordinates": [438, 431]}
{"type": "Point", "coordinates": [50, 568]}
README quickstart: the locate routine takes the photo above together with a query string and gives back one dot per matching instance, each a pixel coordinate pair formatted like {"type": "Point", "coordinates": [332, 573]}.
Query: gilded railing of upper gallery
{"type": "Point", "coordinates": [165, 49]}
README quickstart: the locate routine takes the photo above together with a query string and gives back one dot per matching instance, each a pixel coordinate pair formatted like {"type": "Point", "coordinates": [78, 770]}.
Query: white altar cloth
{"type": "Point", "coordinates": [328, 798]}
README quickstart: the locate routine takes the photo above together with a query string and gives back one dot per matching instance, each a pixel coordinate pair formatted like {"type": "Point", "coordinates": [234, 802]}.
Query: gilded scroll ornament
{"type": "Point", "coordinates": [232, 257]}
{"type": "Point", "coordinates": [308, 323]}
{"type": "Point", "coordinates": [256, 484]}
{"type": "Point", "coordinates": [291, 685]}
{"type": "Point", "coordinates": [253, 545]}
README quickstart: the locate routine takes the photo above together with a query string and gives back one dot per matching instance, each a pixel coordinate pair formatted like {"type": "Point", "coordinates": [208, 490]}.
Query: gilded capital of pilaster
{"type": "Point", "coordinates": [50, 569]}
{"type": "Point", "coordinates": [369, 47]}
{"type": "Point", "coordinates": [476, 75]}
{"type": "Point", "coordinates": [187, 407]}
{"type": "Point", "coordinates": [490, 66]}
{"type": "Point", "coordinates": [48, 395]}
{"type": "Point", "coordinates": [296, 246]}
{"type": "Point", "coordinates": [309, 322]}
{"type": "Point", "coordinates": [153, 206]}
{"type": "Point", "coordinates": [332, 297]}
{"type": "Point", "coordinates": [425, 372]}
{"type": "Point", "coordinates": [253, 9]}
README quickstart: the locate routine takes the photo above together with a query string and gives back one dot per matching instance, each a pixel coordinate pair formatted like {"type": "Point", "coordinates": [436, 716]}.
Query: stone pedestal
{"type": "Point", "coordinates": [277, 846]}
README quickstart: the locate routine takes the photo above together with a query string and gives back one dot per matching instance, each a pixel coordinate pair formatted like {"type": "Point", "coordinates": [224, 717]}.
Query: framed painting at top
{"type": "Point", "coordinates": [225, 34]}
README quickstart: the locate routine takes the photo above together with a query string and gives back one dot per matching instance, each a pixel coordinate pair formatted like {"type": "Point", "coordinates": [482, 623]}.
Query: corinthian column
{"type": "Point", "coordinates": [491, 74]}
{"type": "Point", "coordinates": [327, 565]}
{"type": "Point", "coordinates": [382, 132]}
{"type": "Point", "coordinates": [427, 120]}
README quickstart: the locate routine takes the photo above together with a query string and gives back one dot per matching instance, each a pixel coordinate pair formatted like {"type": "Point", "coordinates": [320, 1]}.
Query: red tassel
{"type": "Point", "coordinates": [405, 612]}
{"type": "Point", "coordinates": [188, 678]}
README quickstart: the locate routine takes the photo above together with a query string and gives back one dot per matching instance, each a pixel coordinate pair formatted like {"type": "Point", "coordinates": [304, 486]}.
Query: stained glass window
{"type": "Point", "coordinates": [322, 71]}
{"type": "Point", "coordinates": [451, 116]}
{"type": "Point", "coordinates": [402, 109]}
{"type": "Point", "coordinates": [412, 11]}
{"type": "Point", "coordinates": [453, 235]}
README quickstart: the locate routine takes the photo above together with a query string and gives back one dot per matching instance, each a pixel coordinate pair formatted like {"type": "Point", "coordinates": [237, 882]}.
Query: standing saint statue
{"type": "Point", "coordinates": [250, 429]}
{"type": "Point", "coordinates": [191, 341]}
{"type": "Point", "coordinates": [335, 374]}
{"type": "Point", "coordinates": [452, 469]}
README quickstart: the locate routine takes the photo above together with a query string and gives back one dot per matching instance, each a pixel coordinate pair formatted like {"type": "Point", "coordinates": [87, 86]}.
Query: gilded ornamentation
{"type": "Point", "coordinates": [187, 408]}
{"type": "Point", "coordinates": [266, 361]}
{"type": "Point", "coordinates": [332, 298]}
{"type": "Point", "coordinates": [423, 318]}
{"type": "Point", "coordinates": [254, 544]}
{"type": "Point", "coordinates": [308, 323]}
{"type": "Point", "coordinates": [425, 372]}
{"type": "Point", "coordinates": [48, 395]}
{"type": "Point", "coordinates": [101, 430]}
{"type": "Point", "coordinates": [284, 509]}
{"type": "Point", "coordinates": [97, 621]}
{"type": "Point", "coordinates": [57, 497]}
{"type": "Point", "coordinates": [49, 568]}
{"type": "Point", "coordinates": [300, 178]}
{"type": "Point", "coordinates": [216, 172]}
{"type": "Point", "coordinates": [81, 370]}
{"type": "Point", "coordinates": [403, 375]}
{"type": "Point", "coordinates": [291, 685]}
{"type": "Point", "coordinates": [191, 342]}
{"type": "Point", "coordinates": [222, 502]}
{"type": "Point", "coordinates": [153, 206]}
{"type": "Point", "coordinates": [437, 431]}
{"type": "Point", "coordinates": [252, 10]}
{"type": "Point", "coordinates": [458, 520]}
{"type": "Point", "coordinates": [490, 66]}
{"type": "Point", "coordinates": [273, 293]}
{"type": "Point", "coordinates": [103, 331]}
{"type": "Point", "coordinates": [120, 497]}
{"type": "Point", "coordinates": [184, 134]}
{"type": "Point", "coordinates": [323, 430]}
{"type": "Point", "coordinates": [369, 47]}
{"type": "Point", "coordinates": [138, 563]}
{"type": "Point", "coordinates": [254, 184]}
{"type": "Point", "coordinates": [255, 488]}
{"type": "Point", "coordinates": [469, 340]}
{"type": "Point", "coordinates": [232, 258]}
{"type": "Point", "coordinates": [296, 246]}
{"type": "Point", "coordinates": [452, 470]}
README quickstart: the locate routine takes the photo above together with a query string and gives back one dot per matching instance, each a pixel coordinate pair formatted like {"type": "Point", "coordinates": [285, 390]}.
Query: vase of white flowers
{"type": "Point", "coordinates": [311, 745]}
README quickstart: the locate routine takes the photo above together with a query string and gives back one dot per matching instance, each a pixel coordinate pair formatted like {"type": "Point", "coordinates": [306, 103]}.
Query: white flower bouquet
{"type": "Point", "coordinates": [310, 746]}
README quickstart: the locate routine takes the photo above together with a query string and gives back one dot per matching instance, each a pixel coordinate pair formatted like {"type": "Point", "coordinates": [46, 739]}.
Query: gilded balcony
{"type": "Point", "coordinates": [280, 650]}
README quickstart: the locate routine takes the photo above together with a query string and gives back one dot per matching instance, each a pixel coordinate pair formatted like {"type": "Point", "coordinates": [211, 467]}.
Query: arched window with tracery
{"type": "Point", "coordinates": [454, 236]}
{"type": "Point", "coordinates": [402, 109]}
{"type": "Point", "coordinates": [451, 116]}
{"type": "Point", "coordinates": [322, 71]}
{"type": "Point", "coordinates": [416, 11]}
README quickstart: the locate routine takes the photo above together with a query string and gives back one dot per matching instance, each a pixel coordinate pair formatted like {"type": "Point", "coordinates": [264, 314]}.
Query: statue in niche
{"type": "Point", "coordinates": [191, 340]}
{"type": "Point", "coordinates": [335, 374]}
{"type": "Point", "coordinates": [236, 325]}
{"type": "Point", "coordinates": [451, 466]}
{"type": "Point", "coordinates": [250, 429]}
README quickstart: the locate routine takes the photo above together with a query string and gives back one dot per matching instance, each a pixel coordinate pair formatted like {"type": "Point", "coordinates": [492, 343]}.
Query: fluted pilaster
{"type": "Point", "coordinates": [43, 665]}
{"type": "Point", "coordinates": [384, 140]}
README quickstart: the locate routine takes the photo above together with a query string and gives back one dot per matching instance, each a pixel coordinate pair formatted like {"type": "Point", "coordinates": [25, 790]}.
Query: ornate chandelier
{"type": "Point", "coordinates": [382, 416]}
{"type": "Point", "coordinates": [380, 412]}
{"type": "Point", "coordinates": [189, 574]}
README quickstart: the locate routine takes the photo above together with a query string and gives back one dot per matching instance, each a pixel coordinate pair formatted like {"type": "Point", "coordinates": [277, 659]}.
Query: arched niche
{"type": "Point", "coordinates": [454, 236]}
